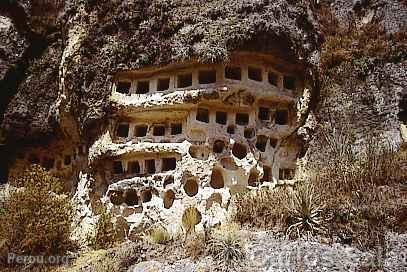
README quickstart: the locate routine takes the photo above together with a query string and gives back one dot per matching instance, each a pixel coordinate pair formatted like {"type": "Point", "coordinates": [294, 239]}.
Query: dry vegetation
{"type": "Point", "coordinates": [355, 195]}
{"type": "Point", "coordinates": [36, 217]}
{"type": "Point", "coordinates": [226, 246]}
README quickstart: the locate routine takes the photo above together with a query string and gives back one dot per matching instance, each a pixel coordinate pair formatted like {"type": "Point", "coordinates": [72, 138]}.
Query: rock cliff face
{"type": "Point", "coordinates": [152, 106]}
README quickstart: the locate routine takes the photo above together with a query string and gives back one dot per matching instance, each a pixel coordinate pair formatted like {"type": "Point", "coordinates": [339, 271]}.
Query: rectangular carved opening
{"type": "Point", "coordinates": [242, 119]}
{"type": "Point", "coordinates": [264, 114]}
{"type": "Point", "coordinates": [123, 87]}
{"type": "Point", "coordinates": [169, 164]}
{"type": "Point", "coordinates": [233, 73]}
{"type": "Point", "coordinates": [134, 167]}
{"type": "Point", "coordinates": [117, 167]}
{"type": "Point", "coordinates": [273, 78]}
{"type": "Point", "coordinates": [143, 87]}
{"type": "Point", "coordinates": [221, 117]}
{"type": "Point", "coordinates": [163, 84]}
{"type": "Point", "coordinates": [261, 143]}
{"type": "Point", "coordinates": [207, 76]}
{"type": "Point", "coordinates": [281, 117]}
{"type": "Point", "coordinates": [176, 129]}
{"type": "Point", "coordinates": [254, 73]}
{"type": "Point", "coordinates": [273, 142]}
{"type": "Point", "coordinates": [140, 131]}
{"type": "Point", "coordinates": [286, 173]}
{"type": "Point", "coordinates": [159, 130]}
{"type": "Point", "coordinates": [150, 166]}
{"type": "Point", "coordinates": [289, 82]}
{"type": "Point", "coordinates": [231, 129]}
{"type": "Point", "coordinates": [202, 115]}
{"type": "Point", "coordinates": [67, 159]}
{"type": "Point", "coordinates": [48, 163]}
{"type": "Point", "coordinates": [249, 133]}
{"type": "Point", "coordinates": [184, 80]}
{"type": "Point", "coordinates": [122, 130]}
{"type": "Point", "coordinates": [267, 175]}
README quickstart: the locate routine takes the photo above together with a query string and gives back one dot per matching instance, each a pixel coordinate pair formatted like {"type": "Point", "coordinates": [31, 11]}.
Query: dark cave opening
{"type": "Point", "coordinates": [3, 164]}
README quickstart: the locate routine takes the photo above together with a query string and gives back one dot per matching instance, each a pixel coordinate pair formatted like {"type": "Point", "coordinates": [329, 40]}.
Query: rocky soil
{"type": "Point", "coordinates": [266, 252]}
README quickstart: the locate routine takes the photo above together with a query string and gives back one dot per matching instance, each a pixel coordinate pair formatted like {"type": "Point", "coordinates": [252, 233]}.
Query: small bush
{"type": "Point", "coordinates": [116, 259]}
{"type": "Point", "coordinates": [305, 211]}
{"type": "Point", "coordinates": [159, 235]}
{"type": "Point", "coordinates": [190, 218]}
{"type": "Point", "coordinates": [226, 246]}
{"type": "Point", "coordinates": [105, 236]}
{"type": "Point", "coordinates": [195, 246]}
{"type": "Point", "coordinates": [98, 261]}
{"type": "Point", "coordinates": [263, 208]}
{"type": "Point", "coordinates": [361, 187]}
{"type": "Point", "coordinates": [36, 219]}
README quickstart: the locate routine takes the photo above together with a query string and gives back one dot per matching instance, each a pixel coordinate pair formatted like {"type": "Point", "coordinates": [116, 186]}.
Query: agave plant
{"type": "Point", "coordinates": [305, 211]}
{"type": "Point", "coordinates": [227, 247]}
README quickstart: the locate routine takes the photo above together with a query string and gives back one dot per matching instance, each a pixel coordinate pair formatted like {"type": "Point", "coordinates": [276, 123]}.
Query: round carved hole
{"type": "Point", "coordinates": [116, 197]}
{"type": "Point", "coordinates": [239, 150]}
{"type": "Point", "coordinates": [214, 198]}
{"type": "Point", "coordinates": [217, 181]}
{"type": "Point", "coordinates": [229, 163]}
{"type": "Point", "coordinates": [168, 180]}
{"type": "Point", "coordinates": [146, 196]}
{"type": "Point", "coordinates": [169, 197]}
{"type": "Point", "coordinates": [191, 187]}
{"type": "Point", "coordinates": [218, 146]}
{"type": "Point", "coordinates": [253, 178]}
{"type": "Point", "coordinates": [131, 197]}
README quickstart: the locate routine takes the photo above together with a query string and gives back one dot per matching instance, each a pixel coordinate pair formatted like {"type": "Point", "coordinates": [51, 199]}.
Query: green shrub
{"type": "Point", "coordinates": [36, 219]}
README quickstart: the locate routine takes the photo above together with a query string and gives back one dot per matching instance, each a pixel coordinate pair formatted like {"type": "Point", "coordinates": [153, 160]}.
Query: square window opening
{"type": "Point", "coordinates": [221, 117]}
{"type": "Point", "coordinates": [123, 130]}
{"type": "Point", "coordinates": [134, 167]}
{"type": "Point", "coordinates": [207, 76]}
{"type": "Point", "coordinates": [184, 80]}
{"type": "Point", "coordinates": [287, 174]}
{"type": "Point", "coordinates": [281, 117]}
{"type": "Point", "coordinates": [202, 115]}
{"type": "Point", "coordinates": [242, 119]}
{"type": "Point", "coordinates": [176, 129]}
{"type": "Point", "coordinates": [254, 74]}
{"type": "Point", "coordinates": [267, 174]}
{"type": "Point", "coordinates": [143, 87]}
{"type": "Point", "coordinates": [48, 163]}
{"type": "Point", "coordinates": [117, 167]}
{"type": "Point", "coordinates": [249, 133]}
{"type": "Point", "coordinates": [264, 114]}
{"type": "Point", "coordinates": [123, 87]}
{"type": "Point", "coordinates": [67, 160]}
{"type": "Point", "coordinates": [163, 84]}
{"type": "Point", "coordinates": [261, 143]}
{"type": "Point", "coordinates": [289, 82]}
{"type": "Point", "coordinates": [273, 78]}
{"type": "Point", "coordinates": [150, 166]}
{"type": "Point", "coordinates": [234, 73]}
{"type": "Point", "coordinates": [231, 129]}
{"type": "Point", "coordinates": [159, 131]}
{"type": "Point", "coordinates": [169, 164]}
{"type": "Point", "coordinates": [141, 131]}
{"type": "Point", "coordinates": [273, 142]}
